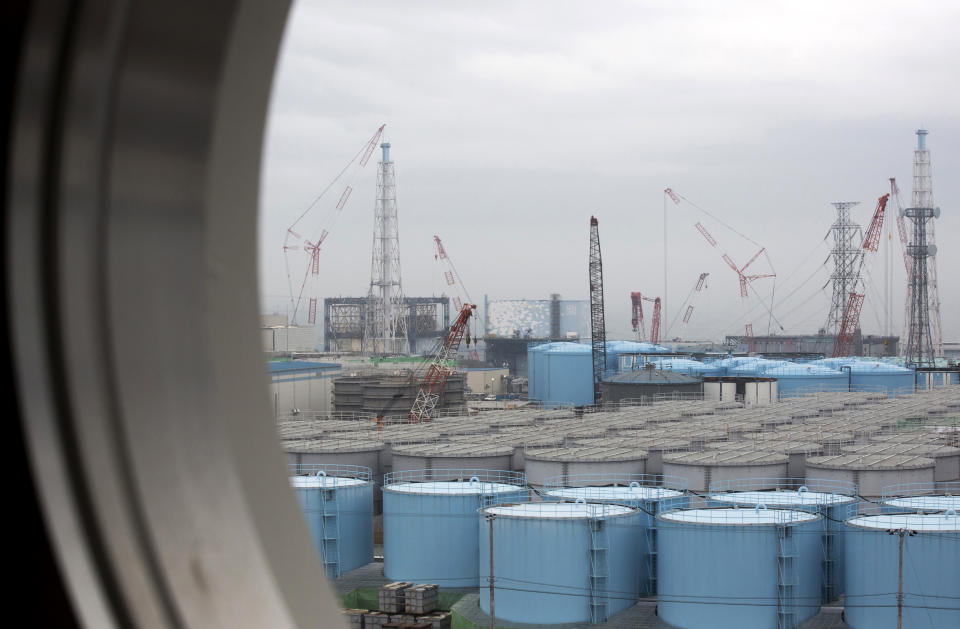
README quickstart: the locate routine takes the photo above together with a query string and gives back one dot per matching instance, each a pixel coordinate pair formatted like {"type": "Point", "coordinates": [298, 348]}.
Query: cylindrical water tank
{"type": "Point", "coordinates": [649, 493]}
{"type": "Point", "coordinates": [560, 562]}
{"type": "Point", "coordinates": [571, 461]}
{"type": "Point", "coordinates": [337, 503]}
{"type": "Point", "coordinates": [833, 499]}
{"type": "Point", "coordinates": [447, 456]}
{"type": "Point", "coordinates": [871, 472]}
{"type": "Point", "coordinates": [430, 522]}
{"type": "Point", "coordinates": [702, 468]}
{"type": "Point", "coordinates": [922, 497]}
{"type": "Point", "coordinates": [730, 568]}
{"type": "Point", "coordinates": [931, 569]}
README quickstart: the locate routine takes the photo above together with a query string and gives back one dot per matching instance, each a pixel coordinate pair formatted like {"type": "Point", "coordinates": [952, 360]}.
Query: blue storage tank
{"type": "Point", "coordinates": [536, 373]}
{"type": "Point", "coordinates": [931, 571]}
{"type": "Point", "coordinates": [560, 562]}
{"type": "Point", "coordinates": [837, 500]}
{"type": "Point", "coordinates": [430, 526]}
{"type": "Point", "coordinates": [795, 379]}
{"type": "Point", "coordinates": [929, 497]}
{"type": "Point", "coordinates": [880, 377]}
{"type": "Point", "coordinates": [649, 493]}
{"type": "Point", "coordinates": [930, 378]}
{"type": "Point", "coordinates": [337, 503]}
{"type": "Point", "coordinates": [565, 375]}
{"type": "Point", "coordinates": [729, 568]}
{"type": "Point", "coordinates": [615, 349]}
{"type": "Point", "coordinates": [688, 367]}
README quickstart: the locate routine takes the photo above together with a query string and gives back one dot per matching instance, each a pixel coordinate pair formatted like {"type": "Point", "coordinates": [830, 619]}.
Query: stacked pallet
{"type": "Point", "coordinates": [391, 597]}
{"type": "Point", "coordinates": [422, 599]}
{"type": "Point", "coordinates": [363, 619]}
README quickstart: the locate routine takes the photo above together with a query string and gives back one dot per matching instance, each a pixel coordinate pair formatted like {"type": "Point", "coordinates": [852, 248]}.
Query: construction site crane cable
{"type": "Point", "coordinates": [295, 241]}
{"type": "Point", "coordinates": [686, 308]}
{"type": "Point", "coordinates": [743, 278]}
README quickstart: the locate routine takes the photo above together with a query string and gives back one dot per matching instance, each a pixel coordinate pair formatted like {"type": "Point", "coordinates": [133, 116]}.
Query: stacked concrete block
{"type": "Point", "coordinates": [354, 618]}
{"type": "Point", "coordinates": [375, 620]}
{"type": "Point", "coordinates": [391, 597]}
{"type": "Point", "coordinates": [437, 620]}
{"type": "Point", "coordinates": [422, 599]}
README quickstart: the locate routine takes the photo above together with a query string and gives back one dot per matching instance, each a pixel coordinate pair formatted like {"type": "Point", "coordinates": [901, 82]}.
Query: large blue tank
{"type": "Point", "coordinates": [565, 374]}
{"type": "Point", "coordinates": [837, 500]}
{"type": "Point", "coordinates": [930, 378]}
{"type": "Point", "coordinates": [648, 493]}
{"type": "Point", "coordinates": [560, 562]}
{"type": "Point", "coordinates": [876, 376]}
{"type": "Point", "coordinates": [536, 371]}
{"type": "Point", "coordinates": [922, 497]}
{"type": "Point", "coordinates": [931, 570]}
{"type": "Point", "coordinates": [730, 568]}
{"type": "Point", "coordinates": [794, 379]}
{"type": "Point", "coordinates": [688, 367]}
{"type": "Point", "coordinates": [615, 349]}
{"type": "Point", "coordinates": [430, 525]}
{"type": "Point", "coordinates": [337, 503]}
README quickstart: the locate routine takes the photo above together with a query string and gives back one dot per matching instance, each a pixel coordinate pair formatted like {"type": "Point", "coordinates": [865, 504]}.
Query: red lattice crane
{"type": "Point", "coordinates": [851, 311]}
{"type": "Point", "coordinates": [452, 277]}
{"type": "Point", "coordinates": [636, 306]}
{"type": "Point", "coordinates": [435, 380]}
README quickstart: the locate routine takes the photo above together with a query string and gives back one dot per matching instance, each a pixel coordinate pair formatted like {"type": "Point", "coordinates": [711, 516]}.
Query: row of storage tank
{"type": "Point", "coordinates": [748, 553]}
{"type": "Point", "coordinates": [562, 373]}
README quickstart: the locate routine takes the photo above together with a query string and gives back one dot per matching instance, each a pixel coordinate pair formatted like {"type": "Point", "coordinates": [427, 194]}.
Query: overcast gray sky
{"type": "Point", "coordinates": [513, 122]}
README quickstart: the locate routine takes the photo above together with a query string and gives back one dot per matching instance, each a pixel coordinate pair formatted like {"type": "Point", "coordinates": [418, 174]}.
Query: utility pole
{"type": "Point", "coordinates": [901, 533]}
{"type": "Point", "coordinates": [493, 615]}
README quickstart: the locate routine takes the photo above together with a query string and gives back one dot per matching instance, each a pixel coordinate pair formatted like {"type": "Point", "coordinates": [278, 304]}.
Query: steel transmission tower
{"type": "Point", "coordinates": [924, 321]}
{"type": "Point", "coordinates": [846, 254]}
{"type": "Point", "coordinates": [386, 329]}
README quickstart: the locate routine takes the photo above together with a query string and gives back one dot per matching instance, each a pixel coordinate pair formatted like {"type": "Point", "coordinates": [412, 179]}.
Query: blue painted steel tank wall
{"type": "Point", "coordinates": [648, 493]}
{"type": "Point", "coordinates": [837, 500]}
{"type": "Point", "coordinates": [867, 375]}
{"type": "Point", "coordinates": [799, 379]}
{"type": "Point", "coordinates": [430, 528]}
{"type": "Point", "coordinates": [930, 379]}
{"type": "Point", "coordinates": [565, 375]}
{"type": "Point", "coordinates": [931, 571]}
{"type": "Point", "coordinates": [687, 366]}
{"type": "Point", "coordinates": [542, 561]}
{"type": "Point", "coordinates": [725, 575]}
{"type": "Point", "coordinates": [617, 348]}
{"type": "Point", "coordinates": [339, 514]}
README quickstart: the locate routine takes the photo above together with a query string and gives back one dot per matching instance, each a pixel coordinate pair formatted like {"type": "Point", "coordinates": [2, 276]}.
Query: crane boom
{"type": "Point", "coordinates": [655, 322]}
{"type": "Point", "coordinates": [848, 325]}
{"type": "Point", "coordinates": [598, 331]}
{"type": "Point", "coordinates": [435, 380]}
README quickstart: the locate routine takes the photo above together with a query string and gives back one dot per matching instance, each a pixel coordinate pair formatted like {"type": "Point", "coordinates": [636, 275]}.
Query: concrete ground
{"type": "Point", "coordinates": [640, 616]}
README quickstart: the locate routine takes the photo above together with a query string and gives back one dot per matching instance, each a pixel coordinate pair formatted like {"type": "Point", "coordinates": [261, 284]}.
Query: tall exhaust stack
{"type": "Point", "coordinates": [385, 332]}
{"type": "Point", "coordinates": [923, 330]}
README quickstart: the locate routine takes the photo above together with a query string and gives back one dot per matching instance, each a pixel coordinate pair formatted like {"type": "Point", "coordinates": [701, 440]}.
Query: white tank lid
{"type": "Point", "coordinates": [328, 482]}
{"type": "Point", "coordinates": [929, 503]}
{"type": "Point", "coordinates": [946, 521]}
{"type": "Point", "coordinates": [738, 517]}
{"type": "Point", "coordinates": [636, 492]}
{"type": "Point", "coordinates": [781, 497]}
{"type": "Point", "coordinates": [559, 510]}
{"type": "Point", "coordinates": [452, 488]}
